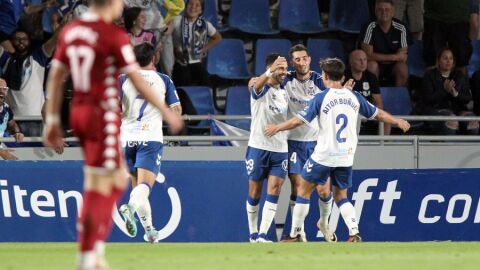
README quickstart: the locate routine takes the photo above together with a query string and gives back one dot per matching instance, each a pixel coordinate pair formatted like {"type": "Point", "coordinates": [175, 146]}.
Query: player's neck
{"type": "Point", "coordinates": [303, 77]}
{"type": "Point", "coordinates": [333, 84]}
{"type": "Point", "coordinates": [274, 83]}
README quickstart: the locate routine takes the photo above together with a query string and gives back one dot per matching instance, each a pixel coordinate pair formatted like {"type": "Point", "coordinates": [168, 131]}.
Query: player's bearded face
{"type": "Point", "coordinates": [301, 62]}
{"type": "Point", "coordinates": [280, 73]}
{"type": "Point", "coordinates": [21, 42]}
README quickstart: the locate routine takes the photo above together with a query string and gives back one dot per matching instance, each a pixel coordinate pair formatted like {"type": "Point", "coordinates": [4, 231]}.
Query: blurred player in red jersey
{"type": "Point", "coordinates": [94, 51]}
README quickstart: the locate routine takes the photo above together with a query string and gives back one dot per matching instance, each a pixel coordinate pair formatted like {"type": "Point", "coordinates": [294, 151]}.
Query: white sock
{"type": "Point", "coordinates": [144, 213]}
{"type": "Point", "coordinates": [86, 260]}
{"type": "Point", "coordinates": [138, 196]}
{"type": "Point", "coordinates": [350, 217]}
{"type": "Point", "coordinates": [325, 210]}
{"type": "Point", "coordinates": [292, 206]}
{"type": "Point", "coordinates": [252, 214]}
{"type": "Point", "coordinates": [268, 213]}
{"type": "Point", "coordinates": [298, 218]}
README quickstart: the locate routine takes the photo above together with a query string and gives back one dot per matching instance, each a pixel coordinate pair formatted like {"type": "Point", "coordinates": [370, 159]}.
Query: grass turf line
{"type": "Point", "coordinates": [277, 256]}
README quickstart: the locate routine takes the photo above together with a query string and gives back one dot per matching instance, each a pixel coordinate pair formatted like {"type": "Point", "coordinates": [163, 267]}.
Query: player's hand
{"type": "Point", "coordinates": [270, 130]}
{"type": "Point", "coordinates": [53, 136]}
{"type": "Point", "coordinates": [251, 82]}
{"type": "Point", "coordinates": [59, 149]}
{"type": "Point", "coordinates": [279, 62]}
{"type": "Point", "coordinates": [349, 84]}
{"type": "Point", "coordinates": [175, 123]}
{"type": "Point", "coordinates": [18, 137]}
{"type": "Point", "coordinates": [403, 125]}
{"type": "Point", "coordinates": [6, 154]}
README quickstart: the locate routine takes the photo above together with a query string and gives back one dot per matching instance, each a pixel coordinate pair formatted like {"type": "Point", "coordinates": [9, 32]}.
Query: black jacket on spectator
{"type": "Point", "coordinates": [433, 96]}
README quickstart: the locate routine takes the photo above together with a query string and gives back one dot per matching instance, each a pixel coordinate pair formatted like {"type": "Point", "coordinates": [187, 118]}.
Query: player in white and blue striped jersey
{"type": "Point", "coordinates": [336, 111]}
{"type": "Point", "coordinates": [266, 157]}
{"type": "Point", "coordinates": [142, 137]}
{"type": "Point", "coordinates": [302, 85]}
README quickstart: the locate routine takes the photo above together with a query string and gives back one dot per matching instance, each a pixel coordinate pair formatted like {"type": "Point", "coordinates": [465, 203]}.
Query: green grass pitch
{"type": "Point", "coordinates": [276, 256]}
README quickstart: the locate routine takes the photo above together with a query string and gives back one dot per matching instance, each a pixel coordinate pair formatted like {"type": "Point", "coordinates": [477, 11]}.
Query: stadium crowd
{"type": "Point", "coordinates": [183, 34]}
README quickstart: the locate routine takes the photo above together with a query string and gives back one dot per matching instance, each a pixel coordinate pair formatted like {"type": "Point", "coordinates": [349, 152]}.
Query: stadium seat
{"type": "Point", "coordinates": [396, 100]}
{"type": "Point", "coordinates": [348, 15]}
{"type": "Point", "coordinates": [238, 103]}
{"type": "Point", "coordinates": [202, 99]}
{"type": "Point", "coordinates": [299, 16]}
{"type": "Point", "coordinates": [227, 60]}
{"type": "Point", "coordinates": [474, 64]}
{"type": "Point", "coordinates": [251, 16]}
{"type": "Point", "coordinates": [323, 48]}
{"type": "Point", "coordinates": [210, 12]}
{"type": "Point", "coordinates": [416, 65]}
{"type": "Point", "coordinates": [267, 46]}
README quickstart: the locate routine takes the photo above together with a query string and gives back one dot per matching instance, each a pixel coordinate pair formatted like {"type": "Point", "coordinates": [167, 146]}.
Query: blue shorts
{"type": "Point", "coordinates": [298, 153]}
{"type": "Point", "coordinates": [144, 154]}
{"type": "Point", "coordinates": [262, 163]}
{"type": "Point", "coordinates": [318, 174]}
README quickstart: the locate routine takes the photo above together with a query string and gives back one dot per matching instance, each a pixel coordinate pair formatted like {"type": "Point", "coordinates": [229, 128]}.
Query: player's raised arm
{"type": "Point", "coordinates": [174, 120]}
{"type": "Point", "coordinates": [291, 123]}
{"type": "Point", "coordinates": [390, 119]}
{"type": "Point", "coordinates": [262, 80]}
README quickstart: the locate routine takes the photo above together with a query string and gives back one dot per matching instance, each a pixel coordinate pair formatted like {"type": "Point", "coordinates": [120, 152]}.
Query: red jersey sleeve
{"type": "Point", "coordinates": [60, 57]}
{"type": "Point", "coordinates": [123, 51]}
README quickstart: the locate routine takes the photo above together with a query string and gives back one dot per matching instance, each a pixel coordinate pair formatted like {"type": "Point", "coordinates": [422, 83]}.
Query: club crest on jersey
{"type": "Point", "coordinates": [311, 91]}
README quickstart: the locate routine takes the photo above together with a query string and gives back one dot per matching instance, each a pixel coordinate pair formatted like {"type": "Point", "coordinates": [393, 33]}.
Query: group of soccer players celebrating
{"type": "Point", "coordinates": [320, 114]}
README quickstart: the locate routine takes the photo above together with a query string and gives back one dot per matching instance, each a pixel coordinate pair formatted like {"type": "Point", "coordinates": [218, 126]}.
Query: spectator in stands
{"type": "Point", "coordinates": [445, 92]}
{"type": "Point", "coordinates": [386, 41]}
{"type": "Point", "coordinates": [134, 19]}
{"type": "Point", "coordinates": [161, 26]}
{"type": "Point", "coordinates": [192, 38]}
{"type": "Point", "coordinates": [413, 11]}
{"type": "Point", "coordinates": [447, 24]}
{"type": "Point", "coordinates": [7, 123]}
{"type": "Point", "coordinates": [10, 12]}
{"type": "Point", "coordinates": [366, 84]}
{"type": "Point", "coordinates": [6, 115]}
{"type": "Point", "coordinates": [474, 19]}
{"type": "Point", "coordinates": [24, 73]}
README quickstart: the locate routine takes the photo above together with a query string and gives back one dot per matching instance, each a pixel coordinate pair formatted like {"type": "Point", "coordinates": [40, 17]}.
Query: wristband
{"type": "Point", "coordinates": [268, 73]}
{"type": "Point", "coordinates": [52, 119]}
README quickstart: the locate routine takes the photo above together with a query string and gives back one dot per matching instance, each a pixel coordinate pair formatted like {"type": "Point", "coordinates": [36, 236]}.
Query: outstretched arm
{"type": "Point", "coordinates": [292, 123]}
{"type": "Point", "coordinates": [390, 119]}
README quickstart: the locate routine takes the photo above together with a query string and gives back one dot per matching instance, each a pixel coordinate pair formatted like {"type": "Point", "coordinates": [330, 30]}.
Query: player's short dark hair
{"type": "Point", "coordinates": [297, 48]}
{"type": "Point", "coordinates": [130, 15]}
{"type": "Point", "coordinates": [144, 53]}
{"type": "Point", "coordinates": [384, 1]}
{"type": "Point", "coordinates": [334, 68]}
{"type": "Point", "coordinates": [271, 58]}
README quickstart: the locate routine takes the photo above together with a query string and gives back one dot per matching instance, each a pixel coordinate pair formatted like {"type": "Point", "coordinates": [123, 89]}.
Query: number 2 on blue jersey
{"type": "Point", "coordinates": [341, 118]}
